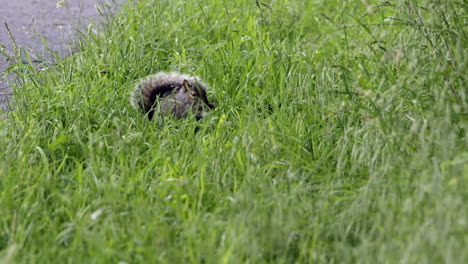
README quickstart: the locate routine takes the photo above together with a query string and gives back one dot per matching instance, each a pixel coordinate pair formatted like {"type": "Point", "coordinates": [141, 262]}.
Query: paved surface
{"type": "Point", "coordinates": [27, 21]}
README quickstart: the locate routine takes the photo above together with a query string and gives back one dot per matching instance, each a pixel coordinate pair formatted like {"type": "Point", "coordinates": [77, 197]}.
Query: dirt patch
{"type": "Point", "coordinates": [29, 22]}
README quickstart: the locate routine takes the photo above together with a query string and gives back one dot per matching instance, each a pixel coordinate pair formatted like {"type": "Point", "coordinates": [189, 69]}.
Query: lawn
{"type": "Point", "coordinates": [340, 136]}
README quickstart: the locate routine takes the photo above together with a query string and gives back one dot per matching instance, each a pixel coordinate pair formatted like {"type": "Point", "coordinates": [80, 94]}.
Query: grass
{"type": "Point", "coordinates": [340, 136]}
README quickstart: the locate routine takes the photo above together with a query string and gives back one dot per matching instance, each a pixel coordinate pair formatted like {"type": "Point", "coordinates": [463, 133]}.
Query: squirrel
{"type": "Point", "coordinates": [173, 93]}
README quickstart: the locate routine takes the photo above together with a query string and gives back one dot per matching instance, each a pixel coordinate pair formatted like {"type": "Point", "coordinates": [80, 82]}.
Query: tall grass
{"type": "Point", "coordinates": [339, 137]}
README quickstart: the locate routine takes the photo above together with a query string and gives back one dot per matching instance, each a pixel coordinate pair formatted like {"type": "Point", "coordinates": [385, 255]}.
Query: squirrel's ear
{"type": "Point", "coordinates": [186, 86]}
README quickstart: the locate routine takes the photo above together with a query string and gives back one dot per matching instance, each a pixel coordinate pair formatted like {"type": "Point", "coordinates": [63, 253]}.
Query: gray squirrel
{"type": "Point", "coordinates": [171, 93]}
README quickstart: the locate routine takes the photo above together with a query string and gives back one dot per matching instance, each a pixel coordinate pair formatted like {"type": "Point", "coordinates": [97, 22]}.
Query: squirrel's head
{"type": "Point", "coordinates": [190, 98]}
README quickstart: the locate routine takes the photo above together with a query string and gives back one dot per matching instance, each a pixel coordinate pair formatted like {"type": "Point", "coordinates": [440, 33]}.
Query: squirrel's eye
{"type": "Point", "coordinates": [193, 94]}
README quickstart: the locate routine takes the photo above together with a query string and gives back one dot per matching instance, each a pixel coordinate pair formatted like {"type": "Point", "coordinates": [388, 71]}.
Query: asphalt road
{"type": "Point", "coordinates": [28, 21]}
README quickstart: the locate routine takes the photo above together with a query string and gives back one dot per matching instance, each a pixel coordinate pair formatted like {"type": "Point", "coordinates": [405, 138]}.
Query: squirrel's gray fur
{"type": "Point", "coordinates": [171, 93]}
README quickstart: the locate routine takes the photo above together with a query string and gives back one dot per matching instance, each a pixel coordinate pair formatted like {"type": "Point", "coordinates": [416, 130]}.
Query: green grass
{"type": "Point", "coordinates": [340, 136]}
